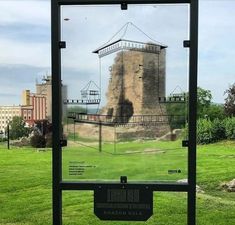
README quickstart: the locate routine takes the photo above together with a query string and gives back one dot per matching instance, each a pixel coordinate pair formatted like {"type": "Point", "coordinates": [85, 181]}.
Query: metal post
{"type": "Point", "coordinates": [56, 113]}
{"type": "Point", "coordinates": [74, 130]}
{"type": "Point", "coordinates": [8, 136]}
{"type": "Point", "coordinates": [193, 58]}
{"type": "Point", "coordinates": [115, 138]}
{"type": "Point", "coordinates": [100, 136]}
{"type": "Point", "coordinates": [67, 125]}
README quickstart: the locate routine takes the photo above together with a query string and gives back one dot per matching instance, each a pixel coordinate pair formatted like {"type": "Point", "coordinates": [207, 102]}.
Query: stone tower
{"type": "Point", "coordinates": [137, 81]}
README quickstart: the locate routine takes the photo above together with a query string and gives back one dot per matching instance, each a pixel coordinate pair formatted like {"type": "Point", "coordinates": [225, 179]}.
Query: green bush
{"type": "Point", "coordinates": [218, 130]}
{"type": "Point", "coordinates": [49, 140]}
{"type": "Point", "coordinates": [212, 131]}
{"type": "Point", "coordinates": [38, 141]}
{"type": "Point", "coordinates": [176, 113]}
{"type": "Point", "coordinates": [230, 128]}
{"type": "Point", "coordinates": [204, 131]}
{"type": "Point", "coordinates": [3, 139]}
{"type": "Point", "coordinates": [215, 111]}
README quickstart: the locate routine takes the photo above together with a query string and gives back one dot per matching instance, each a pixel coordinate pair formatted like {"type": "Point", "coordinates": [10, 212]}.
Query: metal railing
{"type": "Point", "coordinates": [143, 120]}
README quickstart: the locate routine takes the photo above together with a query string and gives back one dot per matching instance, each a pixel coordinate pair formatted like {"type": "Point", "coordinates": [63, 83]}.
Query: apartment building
{"type": "Point", "coordinates": [6, 115]}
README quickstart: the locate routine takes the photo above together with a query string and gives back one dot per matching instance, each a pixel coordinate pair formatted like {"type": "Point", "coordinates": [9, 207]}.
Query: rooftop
{"type": "Point", "coordinates": [130, 37]}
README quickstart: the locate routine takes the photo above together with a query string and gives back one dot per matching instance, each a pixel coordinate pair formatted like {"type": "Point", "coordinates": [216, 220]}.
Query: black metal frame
{"type": "Point", "coordinates": [58, 184]}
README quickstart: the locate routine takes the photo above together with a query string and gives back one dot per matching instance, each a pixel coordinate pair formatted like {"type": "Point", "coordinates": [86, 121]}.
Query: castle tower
{"type": "Point", "coordinates": [136, 85]}
{"type": "Point", "coordinates": [137, 81]}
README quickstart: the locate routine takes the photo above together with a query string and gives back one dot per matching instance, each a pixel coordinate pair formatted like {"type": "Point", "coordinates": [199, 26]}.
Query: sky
{"type": "Point", "coordinates": [25, 46]}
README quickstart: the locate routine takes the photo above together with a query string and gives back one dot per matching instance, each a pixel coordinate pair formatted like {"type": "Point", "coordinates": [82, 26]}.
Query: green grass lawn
{"type": "Point", "coordinates": [139, 161]}
{"type": "Point", "coordinates": [25, 182]}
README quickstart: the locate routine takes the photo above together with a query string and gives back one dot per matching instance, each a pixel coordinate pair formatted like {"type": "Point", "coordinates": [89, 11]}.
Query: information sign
{"type": "Point", "coordinates": [124, 203]}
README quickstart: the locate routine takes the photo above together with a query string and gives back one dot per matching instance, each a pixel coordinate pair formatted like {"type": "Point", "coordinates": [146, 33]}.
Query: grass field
{"type": "Point", "coordinates": [138, 160]}
{"type": "Point", "coordinates": [25, 183]}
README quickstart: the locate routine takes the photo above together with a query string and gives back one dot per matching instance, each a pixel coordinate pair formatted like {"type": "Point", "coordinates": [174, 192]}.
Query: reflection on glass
{"type": "Point", "coordinates": [125, 113]}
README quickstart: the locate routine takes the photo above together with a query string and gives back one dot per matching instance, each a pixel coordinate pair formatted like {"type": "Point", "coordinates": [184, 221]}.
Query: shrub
{"type": "Point", "coordinates": [230, 128]}
{"type": "Point", "coordinates": [218, 130]}
{"type": "Point", "coordinates": [215, 111]}
{"type": "Point", "coordinates": [38, 141]}
{"type": "Point", "coordinates": [204, 131]}
{"type": "Point", "coordinates": [3, 139]}
{"type": "Point", "coordinates": [49, 140]}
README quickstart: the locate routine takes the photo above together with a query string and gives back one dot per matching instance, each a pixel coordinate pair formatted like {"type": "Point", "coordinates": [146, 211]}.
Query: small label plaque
{"type": "Point", "coordinates": [125, 203]}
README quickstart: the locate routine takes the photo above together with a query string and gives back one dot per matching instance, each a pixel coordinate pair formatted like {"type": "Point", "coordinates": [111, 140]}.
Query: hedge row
{"type": "Point", "coordinates": [212, 131]}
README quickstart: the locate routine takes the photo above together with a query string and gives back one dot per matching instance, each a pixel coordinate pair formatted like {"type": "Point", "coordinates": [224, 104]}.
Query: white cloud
{"type": "Point", "coordinates": [216, 37]}
{"type": "Point", "coordinates": [25, 53]}
{"type": "Point", "coordinates": [21, 47]}
{"type": "Point", "coordinates": [31, 12]}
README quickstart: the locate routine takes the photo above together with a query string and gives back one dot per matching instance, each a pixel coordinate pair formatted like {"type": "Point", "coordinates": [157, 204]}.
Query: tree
{"type": "Point", "coordinates": [215, 111]}
{"type": "Point", "coordinates": [204, 108]}
{"type": "Point", "coordinates": [18, 128]}
{"type": "Point", "coordinates": [178, 112]}
{"type": "Point", "coordinates": [74, 109]}
{"type": "Point", "coordinates": [204, 98]}
{"type": "Point", "coordinates": [44, 126]}
{"type": "Point", "coordinates": [42, 134]}
{"type": "Point", "coordinates": [229, 105]}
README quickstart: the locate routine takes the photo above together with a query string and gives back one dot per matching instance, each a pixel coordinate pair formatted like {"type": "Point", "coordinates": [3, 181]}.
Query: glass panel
{"type": "Point", "coordinates": [125, 92]}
